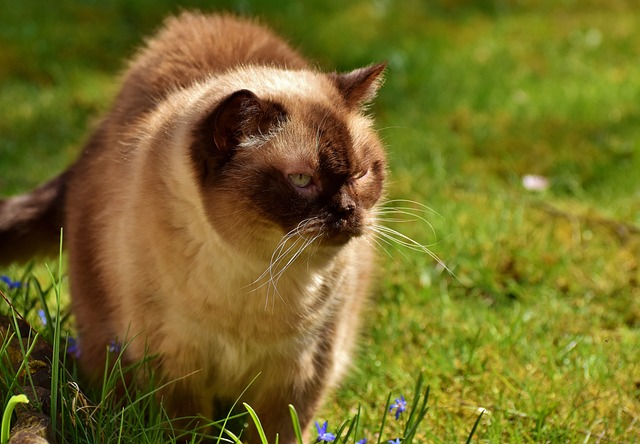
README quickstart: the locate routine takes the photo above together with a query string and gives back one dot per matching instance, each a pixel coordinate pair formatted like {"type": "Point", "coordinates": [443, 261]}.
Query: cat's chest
{"type": "Point", "coordinates": [232, 326]}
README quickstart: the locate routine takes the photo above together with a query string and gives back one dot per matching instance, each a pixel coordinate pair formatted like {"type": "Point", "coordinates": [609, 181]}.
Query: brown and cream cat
{"type": "Point", "coordinates": [220, 219]}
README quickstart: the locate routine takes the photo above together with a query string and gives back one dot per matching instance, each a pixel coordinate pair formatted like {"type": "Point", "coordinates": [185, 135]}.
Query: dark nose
{"type": "Point", "coordinates": [346, 203]}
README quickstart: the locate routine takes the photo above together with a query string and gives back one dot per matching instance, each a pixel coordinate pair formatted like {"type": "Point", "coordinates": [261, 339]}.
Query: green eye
{"type": "Point", "coordinates": [300, 180]}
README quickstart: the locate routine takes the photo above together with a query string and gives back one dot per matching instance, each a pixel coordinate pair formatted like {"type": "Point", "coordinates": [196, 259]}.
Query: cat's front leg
{"type": "Point", "coordinates": [190, 409]}
{"type": "Point", "coordinates": [275, 417]}
{"type": "Point", "coordinates": [303, 384]}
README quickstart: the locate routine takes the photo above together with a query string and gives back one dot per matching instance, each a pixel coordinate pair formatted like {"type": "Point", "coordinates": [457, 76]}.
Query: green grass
{"type": "Point", "coordinates": [539, 323]}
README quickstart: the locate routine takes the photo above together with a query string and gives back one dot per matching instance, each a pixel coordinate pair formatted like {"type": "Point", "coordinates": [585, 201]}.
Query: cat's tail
{"type": "Point", "coordinates": [30, 223]}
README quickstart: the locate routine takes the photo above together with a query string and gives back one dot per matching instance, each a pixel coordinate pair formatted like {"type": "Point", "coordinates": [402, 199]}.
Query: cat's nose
{"type": "Point", "coordinates": [346, 203]}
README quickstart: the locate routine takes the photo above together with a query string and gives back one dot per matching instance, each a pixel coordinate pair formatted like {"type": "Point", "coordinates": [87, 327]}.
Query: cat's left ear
{"type": "Point", "coordinates": [242, 115]}
{"type": "Point", "coordinates": [360, 86]}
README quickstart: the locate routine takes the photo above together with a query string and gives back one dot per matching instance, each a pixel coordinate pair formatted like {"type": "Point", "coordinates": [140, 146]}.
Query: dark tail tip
{"type": "Point", "coordinates": [30, 223]}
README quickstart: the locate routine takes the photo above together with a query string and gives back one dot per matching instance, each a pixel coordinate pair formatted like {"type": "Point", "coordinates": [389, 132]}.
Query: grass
{"type": "Point", "coordinates": [539, 324]}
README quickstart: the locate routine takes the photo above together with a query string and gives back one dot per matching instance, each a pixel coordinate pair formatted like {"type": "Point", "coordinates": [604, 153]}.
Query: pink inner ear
{"type": "Point", "coordinates": [361, 85]}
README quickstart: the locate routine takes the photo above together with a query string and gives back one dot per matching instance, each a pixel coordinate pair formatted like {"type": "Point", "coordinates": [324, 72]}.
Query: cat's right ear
{"type": "Point", "coordinates": [240, 116]}
{"type": "Point", "coordinates": [360, 86]}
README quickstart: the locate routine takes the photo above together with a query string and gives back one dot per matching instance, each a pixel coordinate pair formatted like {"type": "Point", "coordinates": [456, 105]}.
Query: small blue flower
{"type": "Point", "coordinates": [394, 441]}
{"type": "Point", "coordinates": [400, 405]}
{"type": "Point", "coordinates": [73, 347]}
{"type": "Point", "coordinates": [43, 317]}
{"type": "Point", "coordinates": [323, 436]}
{"type": "Point", "coordinates": [11, 284]}
{"type": "Point", "coordinates": [114, 346]}
{"type": "Point", "coordinates": [362, 441]}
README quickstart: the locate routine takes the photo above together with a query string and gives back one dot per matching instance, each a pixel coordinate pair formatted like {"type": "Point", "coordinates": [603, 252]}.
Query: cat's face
{"type": "Point", "coordinates": [308, 168]}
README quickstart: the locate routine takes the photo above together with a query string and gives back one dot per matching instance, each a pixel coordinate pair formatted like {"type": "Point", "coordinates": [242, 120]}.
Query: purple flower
{"type": "Point", "coordinates": [11, 284]}
{"type": "Point", "coordinates": [323, 436]}
{"type": "Point", "coordinates": [73, 347]}
{"type": "Point", "coordinates": [362, 441]}
{"type": "Point", "coordinates": [400, 405]}
{"type": "Point", "coordinates": [394, 441]}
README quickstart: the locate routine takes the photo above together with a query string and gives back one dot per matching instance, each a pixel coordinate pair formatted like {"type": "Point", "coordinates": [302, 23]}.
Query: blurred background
{"type": "Point", "coordinates": [516, 122]}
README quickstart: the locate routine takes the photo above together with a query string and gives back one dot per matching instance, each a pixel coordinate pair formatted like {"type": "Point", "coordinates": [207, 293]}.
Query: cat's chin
{"type": "Point", "coordinates": [338, 239]}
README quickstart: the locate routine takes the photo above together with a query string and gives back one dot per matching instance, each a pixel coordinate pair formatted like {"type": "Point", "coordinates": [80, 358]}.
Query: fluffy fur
{"type": "Point", "coordinates": [219, 218]}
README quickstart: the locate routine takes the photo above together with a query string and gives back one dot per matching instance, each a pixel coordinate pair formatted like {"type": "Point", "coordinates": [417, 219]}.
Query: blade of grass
{"type": "Point", "coordinates": [25, 352]}
{"type": "Point", "coordinates": [55, 361]}
{"type": "Point", "coordinates": [384, 417]}
{"type": "Point", "coordinates": [295, 420]}
{"type": "Point", "coordinates": [357, 422]}
{"type": "Point", "coordinates": [233, 406]}
{"type": "Point", "coordinates": [416, 397]}
{"type": "Point", "coordinates": [6, 417]}
{"type": "Point", "coordinates": [475, 426]}
{"type": "Point", "coordinates": [257, 423]}
{"type": "Point", "coordinates": [348, 422]}
{"type": "Point", "coordinates": [353, 427]}
{"type": "Point", "coordinates": [412, 425]}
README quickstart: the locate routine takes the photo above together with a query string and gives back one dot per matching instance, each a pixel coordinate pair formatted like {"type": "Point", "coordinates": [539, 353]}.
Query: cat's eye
{"type": "Point", "coordinates": [300, 180]}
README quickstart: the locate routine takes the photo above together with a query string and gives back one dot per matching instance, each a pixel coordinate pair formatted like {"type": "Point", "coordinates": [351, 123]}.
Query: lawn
{"type": "Point", "coordinates": [535, 316]}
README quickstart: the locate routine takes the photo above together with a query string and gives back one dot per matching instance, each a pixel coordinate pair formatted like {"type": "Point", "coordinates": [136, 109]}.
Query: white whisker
{"type": "Point", "coordinates": [375, 242]}
{"type": "Point", "coordinates": [416, 217]}
{"type": "Point", "coordinates": [290, 247]}
{"type": "Point", "coordinates": [389, 235]}
{"type": "Point", "coordinates": [422, 206]}
{"type": "Point", "coordinates": [277, 255]}
{"type": "Point", "coordinates": [275, 278]}
{"type": "Point", "coordinates": [391, 241]}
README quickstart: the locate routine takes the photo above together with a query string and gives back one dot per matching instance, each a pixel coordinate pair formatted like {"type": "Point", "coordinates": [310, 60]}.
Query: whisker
{"type": "Point", "coordinates": [404, 211]}
{"type": "Point", "coordinates": [412, 202]}
{"type": "Point", "coordinates": [279, 252]}
{"type": "Point", "coordinates": [307, 242]}
{"type": "Point", "coordinates": [394, 221]}
{"type": "Point", "coordinates": [400, 238]}
{"type": "Point", "coordinates": [389, 234]}
{"type": "Point", "coordinates": [375, 242]}
{"type": "Point", "coordinates": [275, 278]}
{"type": "Point", "coordinates": [276, 256]}
{"type": "Point", "coordinates": [390, 241]}
{"type": "Point", "coordinates": [286, 252]}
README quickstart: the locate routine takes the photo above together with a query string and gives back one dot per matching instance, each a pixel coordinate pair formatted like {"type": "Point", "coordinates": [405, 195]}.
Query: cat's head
{"type": "Point", "coordinates": [293, 156]}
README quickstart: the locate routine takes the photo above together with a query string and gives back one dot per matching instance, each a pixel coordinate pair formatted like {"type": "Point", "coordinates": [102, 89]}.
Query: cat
{"type": "Point", "coordinates": [219, 218]}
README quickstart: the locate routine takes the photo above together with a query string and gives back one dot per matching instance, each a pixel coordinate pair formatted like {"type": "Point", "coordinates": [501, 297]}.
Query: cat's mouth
{"type": "Point", "coordinates": [340, 233]}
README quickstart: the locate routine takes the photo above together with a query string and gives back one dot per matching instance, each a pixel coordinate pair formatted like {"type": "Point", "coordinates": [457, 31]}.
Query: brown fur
{"type": "Point", "coordinates": [30, 224]}
{"type": "Point", "coordinates": [189, 239]}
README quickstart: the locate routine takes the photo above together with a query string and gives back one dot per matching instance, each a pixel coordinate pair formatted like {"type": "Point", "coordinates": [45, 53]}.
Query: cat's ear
{"type": "Point", "coordinates": [361, 85]}
{"type": "Point", "coordinates": [242, 115]}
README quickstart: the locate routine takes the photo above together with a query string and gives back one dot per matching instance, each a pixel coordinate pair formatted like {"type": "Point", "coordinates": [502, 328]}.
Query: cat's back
{"type": "Point", "coordinates": [193, 46]}
{"type": "Point", "coordinates": [189, 49]}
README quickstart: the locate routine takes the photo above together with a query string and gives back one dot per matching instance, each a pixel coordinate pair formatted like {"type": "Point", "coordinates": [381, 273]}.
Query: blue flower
{"type": "Point", "coordinates": [362, 441]}
{"type": "Point", "coordinates": [11, 284]}
{"type": "Point", "coordinates": [400, 405]}
{"type": "Point", "coordinates": [114, 346]}
{"type": "Point", "coordinates": [43, 317]}
{"type": "Point", "coordinates": [394, 441]}
{"type": "Point", "coordinates": [73, 347]}
{"type": "Point", "coordinates": [323, 436]}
